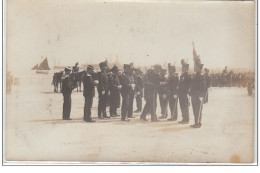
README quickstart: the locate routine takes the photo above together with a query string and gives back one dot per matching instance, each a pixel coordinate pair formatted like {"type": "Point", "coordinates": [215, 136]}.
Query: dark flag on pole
{"type": "Point", "coordinates": [196, 58]}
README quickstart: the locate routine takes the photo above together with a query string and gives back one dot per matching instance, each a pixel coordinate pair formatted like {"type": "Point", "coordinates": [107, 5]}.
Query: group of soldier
{"type": "Point", "coordinates": [232, 79]}
{"type": "Point", "coordinates": [115, 87]}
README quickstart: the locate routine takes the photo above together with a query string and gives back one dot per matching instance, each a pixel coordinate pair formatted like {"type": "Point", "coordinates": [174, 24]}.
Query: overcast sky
{"type": "Point", "coordinates": [145, 33]}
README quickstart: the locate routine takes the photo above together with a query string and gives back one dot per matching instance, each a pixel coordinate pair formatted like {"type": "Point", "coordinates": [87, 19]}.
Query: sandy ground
{"type": "Point", "coordinates": [35, 131]}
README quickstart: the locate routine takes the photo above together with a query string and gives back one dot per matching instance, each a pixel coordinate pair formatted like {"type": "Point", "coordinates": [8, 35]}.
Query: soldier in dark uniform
{"type": "Point", "coordinates": [163, 94]}
{"type": "Point", "coordinates": [102, 90]}
{"type": "Point", "coordinates": [197, 92]}
{"type": "Point", "coordinates": [127, 88]}
{"type": "Point", "coordinates": [208, 81]}
{"type": "Point", "coordinates": [139, 89]}
{"type": "Point", "coordinates": [67, 88]}
{"type": "Point", "coordinates": [152, 83]}
{"type": "Point", "coordinates": [183, 92]}
{"type": "Point", "coordinates": [89, 92]}
{"type": "Point", "coordinates": [173, 84]}
{"type": "Point", "coordinates": [114, 87]}
{"type": "Point", "coordinates": [132, 92]}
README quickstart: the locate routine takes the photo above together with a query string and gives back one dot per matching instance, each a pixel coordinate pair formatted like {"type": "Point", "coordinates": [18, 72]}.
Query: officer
{"type": "Point", "coordinates": [114, 87]}
{"type": "Point", "coordinates": [67, 88]}
{"type": "Point", "coordinates": [183, 92]}
{"type": "Point", "coordinates": [152, 83]}
{"type": "Point", "coordinates": [163, 94]}
{"type": "Point", "coordinates": [139, 89]}
{"type": "Point", "coordinates": [89, 92]}
{"type": "Point", "coordinates": [173, 83]}
{"type": "Point", "coordinates": [197, 93]}
{"type": "Point", "coordinates": [127, 87]}
{"type": "Point", "coordinates": [102, 90]}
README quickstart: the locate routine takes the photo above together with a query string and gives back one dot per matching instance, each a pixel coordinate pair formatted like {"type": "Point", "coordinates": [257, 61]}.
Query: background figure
{"type": "Point", "coordinates": [183, 91]}
{"type": "Point", "coordinates": [139, 89]}
{"type": "Point", "coordinates": [208, 81]}
{"type": "Point", "coordinates": [127, 88]}
{"type": "Point", "coordinates": [152, 83]}
{"type": "Point", "coordinates": [89, 92]}
{"type": "Point", "coordinates": [173, 83]}
{"type": "Point", "coordinates": [102, 90]}
{"type": "Point", "coordinates": [163, 94]}
{"type": "Point", "coordinates": [67, 88]}
{"type": "Point", "coordinates": [114, 87]}
{"type": "Point", "coordinates": [131, 92]}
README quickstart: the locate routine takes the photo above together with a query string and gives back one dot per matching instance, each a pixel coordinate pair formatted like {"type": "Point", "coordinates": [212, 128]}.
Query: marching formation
{"type": "Point", "coordinates": [120, 88]}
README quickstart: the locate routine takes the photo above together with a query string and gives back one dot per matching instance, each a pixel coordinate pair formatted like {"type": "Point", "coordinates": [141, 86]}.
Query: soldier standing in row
{"type": "Point", "coordinates": [198, 92]}
{"type": "Point", "coordinates": [163, 94]}
{"type": "Point", "coordinates": [139, 90]}
{"type": "Point", "coordinates": [67, 88]}
{"type": "Point", "coordinates": [102, 90]}
{"type": "Point", "coordinates": [114, 87]}
{"type": "Point", "coordinates": [173, 83]}
{"type": "Point", "coordinates": [89, 92]}
{"type": "Point", "coordinates": [131, 92]}
{"type": "Point", "coordinates": [184, 89]}
{"type": "Point", "coordinates": [127, 87]}
{"type": "Point", "coordinates": [152, 83]}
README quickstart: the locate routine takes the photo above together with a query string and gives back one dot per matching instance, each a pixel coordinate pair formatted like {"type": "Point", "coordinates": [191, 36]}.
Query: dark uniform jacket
{"type": "Point", "coordinates": [89, 86]}
{"type": "Point", "coordinates": [198, 86]}
{"type": "Point", "coordinates": [173, 84]}
{"type": "Point", "coordinates": [185, 84]}
{"type": "Point", "coordinates": [103, 82]}
{"type": "Point", "coordinates": [126, 80]}
{"type": "Point", "coordinates": [151, 83]}
{"type": "Point", "coordinates": [113, 82]}
{"type": "Point", "coordinates": [163, 89]}
{"type": "Point", "coordinates": [66, 85]}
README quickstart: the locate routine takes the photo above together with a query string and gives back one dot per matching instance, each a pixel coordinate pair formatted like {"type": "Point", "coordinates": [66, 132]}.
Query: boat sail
{"type": "Point", "coordinates": [43, 67]}
{"type": "Point", "coordinates": [35, 67]}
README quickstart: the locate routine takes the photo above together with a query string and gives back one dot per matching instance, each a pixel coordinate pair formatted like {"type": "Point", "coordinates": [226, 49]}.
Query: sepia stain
{"type": "Point", "coordinates": [235, 158]}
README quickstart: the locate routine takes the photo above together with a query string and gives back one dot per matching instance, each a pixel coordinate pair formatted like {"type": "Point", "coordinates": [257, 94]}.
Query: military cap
{"type": "Point", "coordinates": [103, 64]}
{"type": "Point", "coordinates": [115, 69]}
{"type": "Point", "coordinates": [90, 67]}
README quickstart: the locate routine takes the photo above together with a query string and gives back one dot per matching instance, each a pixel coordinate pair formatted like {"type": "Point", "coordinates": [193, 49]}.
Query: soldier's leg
{"type": "Point", "coordinates": [145, 111]}
{"type": "Point", "coordinates": [153, 106]}
{"type": "Point", "coordinates": [125, 98]}
{"type": "Point", "coordinates": [99, 105]}
{"type": "Point", "coordinates": [130, 105]}
{"type": "Point", "coordinates": [195, 106]}
{"type": "Point", "coordinates": [90, 103]}
{"type": "Point", "coordinates": [69, 108]}
{"type": "Point", "coordinates": [175, 108]}
{"type": "Point", "coordinates": [85, 109]}
{"type": "Point", "coordinates": [65, 105]}
{"type": "Point", "coordinates": [104, 105]}
{"type": "Point", "coordinates": [139, 103]}
{"type": "Point", "coordinates": [171, 105]}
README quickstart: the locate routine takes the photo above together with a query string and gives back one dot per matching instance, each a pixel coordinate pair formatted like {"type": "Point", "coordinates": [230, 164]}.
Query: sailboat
{"type": "Point", "coordinates": [42, 68]}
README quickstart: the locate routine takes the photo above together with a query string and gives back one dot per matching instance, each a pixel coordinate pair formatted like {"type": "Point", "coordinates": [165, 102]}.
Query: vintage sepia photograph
{"type": "Point", "coordinates": [130, 82]}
